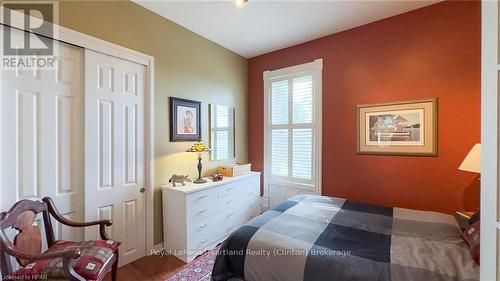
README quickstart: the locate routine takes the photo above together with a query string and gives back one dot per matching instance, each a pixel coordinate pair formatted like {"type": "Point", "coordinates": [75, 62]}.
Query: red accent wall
{"type": "Point", "coordinates": [430, 52]}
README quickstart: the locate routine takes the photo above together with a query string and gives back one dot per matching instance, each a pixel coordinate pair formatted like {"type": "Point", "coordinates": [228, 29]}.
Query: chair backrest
{"type": "Point", "coordinates": [28, 239]}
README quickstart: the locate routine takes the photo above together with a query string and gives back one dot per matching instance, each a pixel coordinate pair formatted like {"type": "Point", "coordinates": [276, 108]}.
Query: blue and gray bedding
{"type": "Point", "coordinates": [324, 238]}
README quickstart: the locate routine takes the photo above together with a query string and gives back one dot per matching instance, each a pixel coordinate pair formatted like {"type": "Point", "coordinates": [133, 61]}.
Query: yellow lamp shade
{"type": "Point", "coordinates": [198, 147]}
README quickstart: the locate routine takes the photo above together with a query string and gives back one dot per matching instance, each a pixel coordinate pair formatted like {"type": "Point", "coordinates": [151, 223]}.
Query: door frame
{"type": "Point", "coordinates": [85, 41]}
{"type": "Point", "coordinates": [316, 67]}
{"type": "Point", "coordinates": [490, 67]}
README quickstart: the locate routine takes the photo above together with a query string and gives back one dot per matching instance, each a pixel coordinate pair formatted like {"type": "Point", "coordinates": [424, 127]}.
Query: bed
{"type": "Point", "coordinates": [325, 238]}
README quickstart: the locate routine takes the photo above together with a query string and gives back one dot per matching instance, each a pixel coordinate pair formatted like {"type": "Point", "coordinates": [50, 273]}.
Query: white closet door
{"type": "Point", "coordinates": [114, 150]}
{"type": "Point", "coordinates": [41, 146]}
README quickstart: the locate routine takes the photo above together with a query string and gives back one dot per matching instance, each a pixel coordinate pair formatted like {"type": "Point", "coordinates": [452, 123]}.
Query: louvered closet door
{"type": "Point", "coordinates": [41, 144]}
{"type": "Point", "coordinates": [114, 150]}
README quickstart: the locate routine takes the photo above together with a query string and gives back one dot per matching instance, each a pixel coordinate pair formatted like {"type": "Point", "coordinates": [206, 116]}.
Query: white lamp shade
{"type": "Point", "coordinates": [472, 162]}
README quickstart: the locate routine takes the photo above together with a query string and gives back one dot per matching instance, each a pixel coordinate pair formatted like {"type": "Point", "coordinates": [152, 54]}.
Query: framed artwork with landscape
{"type": "Point", "coordinates": [399, 128]}
{"type": "Point", "coordinates": [185, 120]}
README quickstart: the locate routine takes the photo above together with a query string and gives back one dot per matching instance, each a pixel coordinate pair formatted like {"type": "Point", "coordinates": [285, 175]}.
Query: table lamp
{"type": "Point", "coordinates": [199, 147]}
{"type": "Point", "coordinates": [472, 162]}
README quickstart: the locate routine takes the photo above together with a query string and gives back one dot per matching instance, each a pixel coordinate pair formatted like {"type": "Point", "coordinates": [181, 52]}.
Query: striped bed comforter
{"type": "Point", "coordinates": [324, 238]}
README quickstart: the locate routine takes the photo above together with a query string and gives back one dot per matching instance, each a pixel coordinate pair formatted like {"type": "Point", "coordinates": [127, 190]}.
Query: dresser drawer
{"type": "Point", "coordinates": [228, 224]}
{"type": "Point", "coordinates": [252, 208]}
{"type": "Point", "coordinates": [250, 192]}
{"type": "Point", "coordinates": [227, 215]}
{"type": "Point", "coordinates": [202, 232]}
{"type": "Point", "coordinates": [201, 196]}
{"type": "Point", "coordinates": [202, 226]}
{"type": "Point", "coordinates": [253, 181]}
{"type": "Point", "coordinates": [229, 201]}
{"type": "Point", "coordinates": [228, 190]}
{"type": "Point", "coordinates": [199, 242]}
{"type": "Point", "coordinates": [228, 228]}
{"type": "Point", "coordinates": [197, 212]}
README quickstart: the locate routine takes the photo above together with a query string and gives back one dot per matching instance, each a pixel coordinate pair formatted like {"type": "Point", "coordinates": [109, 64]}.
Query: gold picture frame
{"type": "Point", "coordinates": [406, 128]}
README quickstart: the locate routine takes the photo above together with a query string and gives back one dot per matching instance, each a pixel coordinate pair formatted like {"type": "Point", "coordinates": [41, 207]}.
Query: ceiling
{"type": "Point", "coordinates": [261, 26]}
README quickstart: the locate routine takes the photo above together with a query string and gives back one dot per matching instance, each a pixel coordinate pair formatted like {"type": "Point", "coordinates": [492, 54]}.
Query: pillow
{"type": "Point", "coordinates": [471, 236]}
{"type": "Point", "coordinates": [474, 218]}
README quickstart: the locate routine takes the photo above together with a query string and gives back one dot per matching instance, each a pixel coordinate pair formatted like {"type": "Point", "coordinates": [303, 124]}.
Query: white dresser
{"type": "Point", "coordinates": [196, 217]}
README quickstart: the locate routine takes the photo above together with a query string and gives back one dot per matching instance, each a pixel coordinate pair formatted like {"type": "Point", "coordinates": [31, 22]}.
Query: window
{"type": "Point", "coordinates": [221, 132]}
{"type": "Point", "coordinates": [293, 125]}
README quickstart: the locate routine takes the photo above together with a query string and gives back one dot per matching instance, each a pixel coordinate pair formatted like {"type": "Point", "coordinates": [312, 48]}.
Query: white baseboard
{"type": "Point", "coordinates": [264, 204]}
{"type": "Point", "coordinates": [156, 249]}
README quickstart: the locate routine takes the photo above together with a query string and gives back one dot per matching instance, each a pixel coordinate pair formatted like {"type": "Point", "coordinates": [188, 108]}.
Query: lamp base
{"type": "Point", "coordinates": [200, 180]}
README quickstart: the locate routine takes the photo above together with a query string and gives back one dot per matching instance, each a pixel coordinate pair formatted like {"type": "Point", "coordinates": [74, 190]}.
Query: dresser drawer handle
{"type": "Point", "coordinates": [231, 227]}
{"type": "Point", "coordinates": [251, 182]}
{"type": "Point", "coordinates": [251, 193]}
{"type": "Point", "coordinates": [202, 211]}
{"type": "Point", "coordinates": [203, 241]}
{"type": "Point", "coordinates": [229, 202]}
{"type": "Point", "coordinates": [229, 189]}
{"type": "Point", "coordinates": [203, 226]}
{"type": "Point", "coordinates": [202, 196]}
{"type": "Point", "coordinates": [230, 214]}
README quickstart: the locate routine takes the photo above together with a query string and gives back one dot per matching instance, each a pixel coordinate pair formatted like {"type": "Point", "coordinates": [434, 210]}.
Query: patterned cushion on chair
{"type": "Point", "coordinates": [95, 255]}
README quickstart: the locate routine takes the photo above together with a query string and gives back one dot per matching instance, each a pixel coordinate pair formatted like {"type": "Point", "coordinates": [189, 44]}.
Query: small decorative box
{"type": "Point", "coordinates": [235, 170]}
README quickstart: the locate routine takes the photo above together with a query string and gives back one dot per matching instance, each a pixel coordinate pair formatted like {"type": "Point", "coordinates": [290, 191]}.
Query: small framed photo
{"type": "Point", "coordinates": [400, 128]}
{"type": "Point", "coordinates": [185, 120]}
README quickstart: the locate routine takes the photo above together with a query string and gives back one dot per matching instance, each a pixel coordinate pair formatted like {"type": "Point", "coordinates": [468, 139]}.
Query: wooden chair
{"type": "Point", "coordinates": [89, 260]}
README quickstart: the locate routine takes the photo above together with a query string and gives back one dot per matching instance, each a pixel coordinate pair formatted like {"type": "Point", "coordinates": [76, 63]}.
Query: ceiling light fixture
{"type": "Point", "coordinates": [240, 3]}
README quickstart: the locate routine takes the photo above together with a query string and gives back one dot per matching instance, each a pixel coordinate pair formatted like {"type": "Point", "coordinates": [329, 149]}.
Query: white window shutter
{"type": "Point", "coordinates": [279, 102]}
{"type": "Point", "coordinates": [222, 116]}
{"type": "Point", "coordinates": [302, 100]}
{"type": "Point", "coordinates": [222, 145]}
{"type": "Point", "coordinates": [302, 142]}
{"type": "Point", "coordinates": [279, 152]}
{"type": "Point", "coordinates": [221, 132]}
{"type": "Point", "coordinates": [291, 147]}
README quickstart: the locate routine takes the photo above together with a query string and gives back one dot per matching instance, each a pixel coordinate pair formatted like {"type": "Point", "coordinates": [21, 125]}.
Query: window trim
{"type": "Point", "coordinates": [313, 68]}
{"type": "Point", "coordinates": [230, 129]}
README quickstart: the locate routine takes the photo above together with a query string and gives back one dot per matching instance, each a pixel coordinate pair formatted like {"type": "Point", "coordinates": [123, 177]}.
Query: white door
{"type": "Point", "coordinates": [114, 151]}
{"type": "Point", "coordinates": [292, 153]}
{"type": "Point", "coordinates": [41, 127]}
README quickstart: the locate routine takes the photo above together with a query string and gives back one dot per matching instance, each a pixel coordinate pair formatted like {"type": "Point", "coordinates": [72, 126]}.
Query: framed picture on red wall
{"type": "Point", "coordinates": [398, 128]}
{"type": "Point", "coordinates": [185, 120]}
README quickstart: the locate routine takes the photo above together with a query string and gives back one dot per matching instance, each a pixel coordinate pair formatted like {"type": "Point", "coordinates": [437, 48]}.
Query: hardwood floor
{"type": "Point", "coordinates": [149, 268]}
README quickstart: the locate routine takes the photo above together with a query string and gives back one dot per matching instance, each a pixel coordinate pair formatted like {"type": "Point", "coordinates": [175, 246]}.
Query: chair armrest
{"type": "Point", "coordinates": [60, 218]}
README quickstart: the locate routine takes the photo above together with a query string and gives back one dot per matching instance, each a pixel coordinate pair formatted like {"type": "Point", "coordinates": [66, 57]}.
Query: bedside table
{"type": "Point", "coordinates": [463, 218]}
